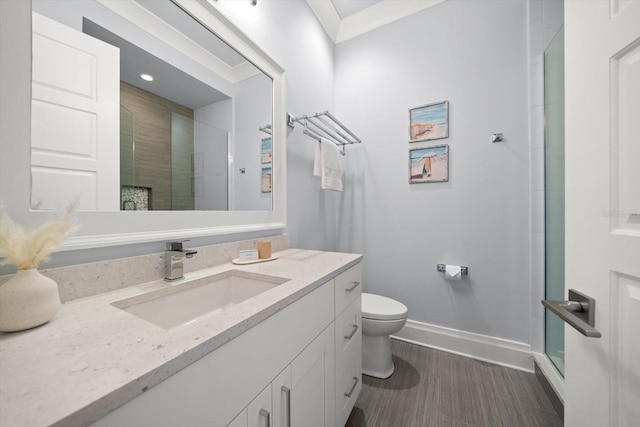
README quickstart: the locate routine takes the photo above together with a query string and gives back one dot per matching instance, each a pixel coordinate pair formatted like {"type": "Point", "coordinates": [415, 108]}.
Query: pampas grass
{"type": "Point", "coordinates": [26, 248]}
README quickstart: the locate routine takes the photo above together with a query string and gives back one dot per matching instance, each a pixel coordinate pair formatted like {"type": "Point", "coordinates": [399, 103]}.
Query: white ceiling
{"type": "Point", "coordinates": [345, 19]}
{"type": "Point", "coordinates": [349, 7]}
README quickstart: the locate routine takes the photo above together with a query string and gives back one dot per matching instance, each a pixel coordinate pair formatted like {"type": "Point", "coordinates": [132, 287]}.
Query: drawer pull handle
{"type": "Point", "coordinates": [355, 329]}
{"type": "Point", "coordinates": [353, 387]}
{"type": "Point", "coordinates": [355, 285]}
{"type": "Point", "coordinates": [267, 417]}
{"type": "Point", "coordinates": [287, 392]}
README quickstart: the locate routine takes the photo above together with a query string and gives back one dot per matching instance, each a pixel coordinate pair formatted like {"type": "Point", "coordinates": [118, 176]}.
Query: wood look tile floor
{"type": "Point", "coordinates": [435, 388]}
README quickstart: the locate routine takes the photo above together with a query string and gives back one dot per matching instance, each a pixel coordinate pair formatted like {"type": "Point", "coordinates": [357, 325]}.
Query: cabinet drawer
{"type": "Point", "coordinates": [348, 287]}
{"type": "Point", "coordinates": [348, 386]}
{"type": "Point", "coordinates": [348, 336]}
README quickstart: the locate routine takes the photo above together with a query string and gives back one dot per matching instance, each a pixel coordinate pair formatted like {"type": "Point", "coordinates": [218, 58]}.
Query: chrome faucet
{"type": "Point", "coordinates": [173, 260]}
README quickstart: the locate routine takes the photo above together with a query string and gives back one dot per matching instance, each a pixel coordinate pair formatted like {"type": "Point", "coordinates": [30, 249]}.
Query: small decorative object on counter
{"type": "Point", "coordinates": [264, 249]}
{"type": "Point", "coordinates": [248, 255]}
{"type": "Point", "coordinates": [29, 298]}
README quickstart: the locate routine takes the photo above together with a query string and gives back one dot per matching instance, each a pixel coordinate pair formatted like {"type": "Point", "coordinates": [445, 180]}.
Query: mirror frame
{"type": "Point", "coordinates": [101, 229]}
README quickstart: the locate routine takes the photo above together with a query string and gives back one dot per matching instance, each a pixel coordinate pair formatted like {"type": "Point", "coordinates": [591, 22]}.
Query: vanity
{"type": "Point", "coordinates": [288, 356]}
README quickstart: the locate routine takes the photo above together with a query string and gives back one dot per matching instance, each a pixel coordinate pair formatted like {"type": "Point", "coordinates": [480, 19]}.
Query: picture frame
{"type": "Point", "coordinates": [429, 164]}
{"type": "Point", "coordinates": [266, 178]}
{"type": "Point", "coordinates": [429, 122]}
{"type": "Point", "coordinates": [266, 151]}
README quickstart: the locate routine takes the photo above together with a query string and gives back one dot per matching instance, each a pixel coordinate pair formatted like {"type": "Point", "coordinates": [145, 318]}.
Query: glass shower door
{"type": "Point", "coordinates": [554, 194]}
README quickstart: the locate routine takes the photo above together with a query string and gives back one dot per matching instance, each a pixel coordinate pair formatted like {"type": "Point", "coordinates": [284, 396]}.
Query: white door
{"type": "Point", "coordinates": [602, 63]}
{"type": "Point", "coordinates": [75, 119]}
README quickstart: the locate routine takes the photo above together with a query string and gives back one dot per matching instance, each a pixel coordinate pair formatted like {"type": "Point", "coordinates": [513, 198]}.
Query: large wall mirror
{"type": "Point", "coordinates": [153, 117]}
{"type": "Point", "coordinates": [125, 119]}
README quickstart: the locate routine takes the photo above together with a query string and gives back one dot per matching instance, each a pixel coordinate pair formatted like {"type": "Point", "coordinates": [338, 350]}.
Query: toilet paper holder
{"type": "Point", "coordinates": [463, 270]}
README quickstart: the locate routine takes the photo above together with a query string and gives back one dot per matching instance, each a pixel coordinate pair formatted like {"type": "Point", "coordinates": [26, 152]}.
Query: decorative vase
{"type": "Point", "coordinates": [27, 300]}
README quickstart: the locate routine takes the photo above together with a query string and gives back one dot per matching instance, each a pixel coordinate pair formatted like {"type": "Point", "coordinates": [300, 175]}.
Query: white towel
{"type": "Point", "coordinates": [317, 161]}
{"type": "Point", "coordinates": [327, 165]}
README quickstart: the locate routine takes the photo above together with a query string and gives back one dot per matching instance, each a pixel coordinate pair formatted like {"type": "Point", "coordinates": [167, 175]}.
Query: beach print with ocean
{"type": "Point", "coordinates": [429, 122]}
{"type": "Point", "coordinates": [430, 164]}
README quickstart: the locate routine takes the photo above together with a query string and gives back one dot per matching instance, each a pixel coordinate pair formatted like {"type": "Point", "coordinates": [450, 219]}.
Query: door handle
{"type": "Point", "coordinates": [267, 417]}
{"type": "Point", "coordinates": [353, 332]}
{"type": "Point", "coordinates": [579, 312]}
{"type": "Point", "coordinates": [353, 387]}
{"type": "Point", "coordinates": [355, 285]}
{"type": "Point", "coordinates": [287, 391]}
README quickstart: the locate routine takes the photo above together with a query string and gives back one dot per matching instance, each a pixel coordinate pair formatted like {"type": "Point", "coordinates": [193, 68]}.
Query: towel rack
{"type": "Point", "coordinates": [324, 126]}
{"type": "Point", "coordinates": [266, 129]}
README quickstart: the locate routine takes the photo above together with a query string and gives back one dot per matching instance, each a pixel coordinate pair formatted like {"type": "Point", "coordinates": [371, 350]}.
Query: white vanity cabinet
{"type": "Point", "coordinates": [288, 370]}
{"type": "Point", "coordinates": [299, 395]}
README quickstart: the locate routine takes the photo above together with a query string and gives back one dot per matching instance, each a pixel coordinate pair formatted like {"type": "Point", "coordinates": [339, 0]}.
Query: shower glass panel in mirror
{"type": "Point", "coordinates": [156, 115]}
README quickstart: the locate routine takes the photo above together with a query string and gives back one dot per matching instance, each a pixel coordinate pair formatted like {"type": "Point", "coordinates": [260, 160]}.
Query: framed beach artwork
{"type": "Point", "coordinates": [429, 164]}
{"type": "Point", "coordinates": [266, 178]}
{"type": "Point", "coordinates": [429, 122]}
{"type": "Point", "coordinates": [266, 152]}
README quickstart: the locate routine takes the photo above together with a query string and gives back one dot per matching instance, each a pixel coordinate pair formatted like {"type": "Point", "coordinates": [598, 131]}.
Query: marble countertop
{"type": "Point", "coordinates": [93, 357]}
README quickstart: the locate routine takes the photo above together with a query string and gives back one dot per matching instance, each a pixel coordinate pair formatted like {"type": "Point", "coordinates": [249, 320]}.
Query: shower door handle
{"type": "Point", "coordinates": [579, 311]}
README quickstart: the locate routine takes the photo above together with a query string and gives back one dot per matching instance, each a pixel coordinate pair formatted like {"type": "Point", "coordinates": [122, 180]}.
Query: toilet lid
{"type": "Point", "coordinates": [377, 307]}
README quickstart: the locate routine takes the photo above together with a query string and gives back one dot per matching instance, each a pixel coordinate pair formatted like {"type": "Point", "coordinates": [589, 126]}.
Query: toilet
{"type": "Point", "coordinates": [381, 317]}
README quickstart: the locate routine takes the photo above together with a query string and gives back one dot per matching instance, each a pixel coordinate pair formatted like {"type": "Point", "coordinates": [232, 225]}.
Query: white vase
{"type": "Point", "coordinates": [27, 300]}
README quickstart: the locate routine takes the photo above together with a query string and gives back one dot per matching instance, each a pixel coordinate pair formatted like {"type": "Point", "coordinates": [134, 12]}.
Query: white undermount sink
{"type": "Point", "coordinates": [188, 302]}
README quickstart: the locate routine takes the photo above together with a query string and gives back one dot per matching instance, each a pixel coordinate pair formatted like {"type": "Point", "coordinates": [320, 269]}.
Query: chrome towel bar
{"type": "Point", "coordinates": [325, 127]}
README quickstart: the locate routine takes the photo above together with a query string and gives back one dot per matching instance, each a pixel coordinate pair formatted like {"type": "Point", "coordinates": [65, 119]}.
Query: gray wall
{"type": "Point", "coordinates": [473, 54]}
{"type": "Point", "coordinates": [212, 124]}
{"type": "Point", "coordinates": [290, 33]}
{"type": "Point", "coordinates": [251, 110]}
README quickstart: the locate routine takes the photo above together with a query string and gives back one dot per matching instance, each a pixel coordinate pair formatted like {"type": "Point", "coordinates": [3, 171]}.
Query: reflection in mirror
{"type": "Point", "coordinates": [128, 118]}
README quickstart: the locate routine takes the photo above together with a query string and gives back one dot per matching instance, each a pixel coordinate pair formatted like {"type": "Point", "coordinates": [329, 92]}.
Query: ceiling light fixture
{"type": "Point", "coordinates": [254, 2]}
{"type": "Point", "coordinates": [147, 77]}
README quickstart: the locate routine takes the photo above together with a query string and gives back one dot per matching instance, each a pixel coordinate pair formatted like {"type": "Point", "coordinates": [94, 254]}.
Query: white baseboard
{"type": "Point", "coordinates": [498, 351]}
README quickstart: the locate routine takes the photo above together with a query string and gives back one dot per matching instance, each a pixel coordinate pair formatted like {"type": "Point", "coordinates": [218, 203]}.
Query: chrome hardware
{"type": "Point", "coordinates": [353, 387]}
{"type": "Point", "coordinates": [443, 267]}
{"type": "Point", "coordinates": [325, 127]}
{"type": "Point", "coordinates": [355, 329]}
{"type": "Point", "coordinates": [286, 390]}
{"type": "Point", "coordinates": [267, 417]}
{"type": "Point", "coordinates": [579, 311]}
{"type": "Point", "coordinates": [173, 264]}
{"type": "Point", "coordinates": [497, 137]}
{"type": "Point", "coordinates": [266, 129]}
{"type": "Point", "coordinates": [355, 285]}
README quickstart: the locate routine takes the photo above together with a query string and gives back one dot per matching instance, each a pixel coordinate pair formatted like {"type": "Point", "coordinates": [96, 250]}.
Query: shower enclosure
{"type": "Point", "coordinates": [554, 195]}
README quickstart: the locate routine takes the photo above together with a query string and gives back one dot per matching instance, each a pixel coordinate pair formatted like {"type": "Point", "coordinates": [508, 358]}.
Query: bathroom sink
{"type": "Point", "coordinates": [188, 302]}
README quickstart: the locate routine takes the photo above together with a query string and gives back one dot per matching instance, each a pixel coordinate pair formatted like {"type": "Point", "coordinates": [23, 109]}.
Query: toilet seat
{"type": "Point", "coordinates": [377, 307]}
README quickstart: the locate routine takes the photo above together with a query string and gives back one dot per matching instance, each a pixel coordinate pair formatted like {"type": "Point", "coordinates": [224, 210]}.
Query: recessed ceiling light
{"type": "Point", "coordinates": [147, 77]}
